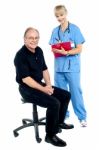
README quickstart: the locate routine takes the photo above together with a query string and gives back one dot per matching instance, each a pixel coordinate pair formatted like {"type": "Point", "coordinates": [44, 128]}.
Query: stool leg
{"type": "Point", "coordinates": [38, 139]}
{"type": "Point", "coordinates": [15, 131]}
{"type": "Point", "coordinates": [35, 120]}
{"type": "Point", "coordinates": [25, 121]}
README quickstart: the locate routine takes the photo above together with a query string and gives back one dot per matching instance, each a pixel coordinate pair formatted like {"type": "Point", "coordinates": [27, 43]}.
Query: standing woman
{"type": "Point", "coordinates": [67, 66]}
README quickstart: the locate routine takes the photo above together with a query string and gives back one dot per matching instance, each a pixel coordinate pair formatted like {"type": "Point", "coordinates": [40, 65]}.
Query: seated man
{"type": "Point", "coordinates": [30, 70]}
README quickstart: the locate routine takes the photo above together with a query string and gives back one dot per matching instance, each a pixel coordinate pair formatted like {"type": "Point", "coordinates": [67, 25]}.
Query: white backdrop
{"type": "Point", "coordinates": [15, 17]}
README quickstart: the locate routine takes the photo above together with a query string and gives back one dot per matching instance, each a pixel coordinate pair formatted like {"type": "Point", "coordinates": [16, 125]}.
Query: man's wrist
{"type": "Point", "coordinates": [48, 84]}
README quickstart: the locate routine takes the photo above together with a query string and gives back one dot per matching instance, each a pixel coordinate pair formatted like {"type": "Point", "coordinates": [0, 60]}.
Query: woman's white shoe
{"type": "Point", "coordinates": [83, 123]}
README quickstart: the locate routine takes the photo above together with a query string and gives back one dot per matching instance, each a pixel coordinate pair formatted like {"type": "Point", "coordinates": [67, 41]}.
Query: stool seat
{"type": "Point", "coordinates": [35, 121]}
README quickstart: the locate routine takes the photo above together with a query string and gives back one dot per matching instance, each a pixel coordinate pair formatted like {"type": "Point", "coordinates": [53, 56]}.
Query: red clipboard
{"type": "Point", "coordinates": [65, 45]}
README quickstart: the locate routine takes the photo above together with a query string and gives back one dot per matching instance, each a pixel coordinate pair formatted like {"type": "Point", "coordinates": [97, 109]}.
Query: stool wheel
{"type": "Point", "coordinates": [39, 140]}
{"type": "Point", "coordinates": [15, 133]}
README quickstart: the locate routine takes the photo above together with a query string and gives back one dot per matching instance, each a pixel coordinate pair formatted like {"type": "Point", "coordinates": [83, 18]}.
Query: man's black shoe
{"type": "Point", "coordinates": [54, 140]}
{"type": "Point", "coordinates": [66, 126]}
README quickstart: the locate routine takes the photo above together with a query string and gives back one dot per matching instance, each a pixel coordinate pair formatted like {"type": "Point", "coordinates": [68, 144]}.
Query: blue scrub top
{"type": "Point", "coordinates": [73, 34]}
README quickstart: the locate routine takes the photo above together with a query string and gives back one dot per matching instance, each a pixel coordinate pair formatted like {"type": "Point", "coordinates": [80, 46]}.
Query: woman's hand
{"type": "Point", "coordinates": [60, 51]}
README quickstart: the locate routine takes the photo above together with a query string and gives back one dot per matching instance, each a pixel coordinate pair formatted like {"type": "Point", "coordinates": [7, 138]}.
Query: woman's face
{"type": "Point", "coordinates": [61, 16]}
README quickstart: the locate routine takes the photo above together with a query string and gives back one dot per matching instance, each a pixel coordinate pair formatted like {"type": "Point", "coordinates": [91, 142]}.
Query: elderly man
{"type": "Point", "coordinates": [30, 70]}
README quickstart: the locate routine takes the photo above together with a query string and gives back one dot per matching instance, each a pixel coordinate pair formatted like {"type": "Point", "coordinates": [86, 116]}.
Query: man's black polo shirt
{"type": "Point", "coordinates": [29, 64]}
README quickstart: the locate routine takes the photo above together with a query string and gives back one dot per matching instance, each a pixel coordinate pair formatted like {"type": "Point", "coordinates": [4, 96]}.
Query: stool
{"type": "Point", "coordinates": [31, 122]}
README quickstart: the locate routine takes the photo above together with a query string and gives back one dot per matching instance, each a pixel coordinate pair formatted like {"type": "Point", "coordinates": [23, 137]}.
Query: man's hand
{"type": "Point", "coordinates": [48, 89]}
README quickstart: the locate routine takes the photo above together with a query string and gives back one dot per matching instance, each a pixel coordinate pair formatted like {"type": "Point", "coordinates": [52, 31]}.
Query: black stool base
{"type": "Point", "coordinates": [28, 122]}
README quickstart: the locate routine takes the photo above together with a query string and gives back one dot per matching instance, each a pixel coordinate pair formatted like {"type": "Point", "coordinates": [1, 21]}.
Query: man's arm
{"type": "Point", "coordinates": [33, 84]}
{"type": "Point", "coordinates": [46, 77]}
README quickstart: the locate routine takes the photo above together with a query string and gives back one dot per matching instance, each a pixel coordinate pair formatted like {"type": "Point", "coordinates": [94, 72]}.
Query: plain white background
{"type": "Point", "coordinates": [15, 17]}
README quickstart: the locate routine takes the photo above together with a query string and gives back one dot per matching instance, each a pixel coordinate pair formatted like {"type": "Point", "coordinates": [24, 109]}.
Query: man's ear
{"type": "Point", "coordinates": [24, 40]}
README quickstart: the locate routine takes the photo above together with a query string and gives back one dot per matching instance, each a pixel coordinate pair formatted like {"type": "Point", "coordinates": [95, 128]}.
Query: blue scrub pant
{"type": "Point", "coordinates": [72, 80]}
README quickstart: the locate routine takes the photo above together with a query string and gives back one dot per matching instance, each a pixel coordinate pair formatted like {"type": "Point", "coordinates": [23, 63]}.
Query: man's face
{"type": "Point", "coordinates": [31, 39]}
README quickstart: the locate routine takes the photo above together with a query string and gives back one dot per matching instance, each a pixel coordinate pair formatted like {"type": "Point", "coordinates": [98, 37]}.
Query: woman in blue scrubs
{"type": "Point", "coordinates": [67, 67]}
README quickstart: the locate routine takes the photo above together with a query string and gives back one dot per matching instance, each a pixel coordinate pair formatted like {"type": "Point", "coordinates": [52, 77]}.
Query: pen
{"type": "Point", "coordinates": [57, 40]}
